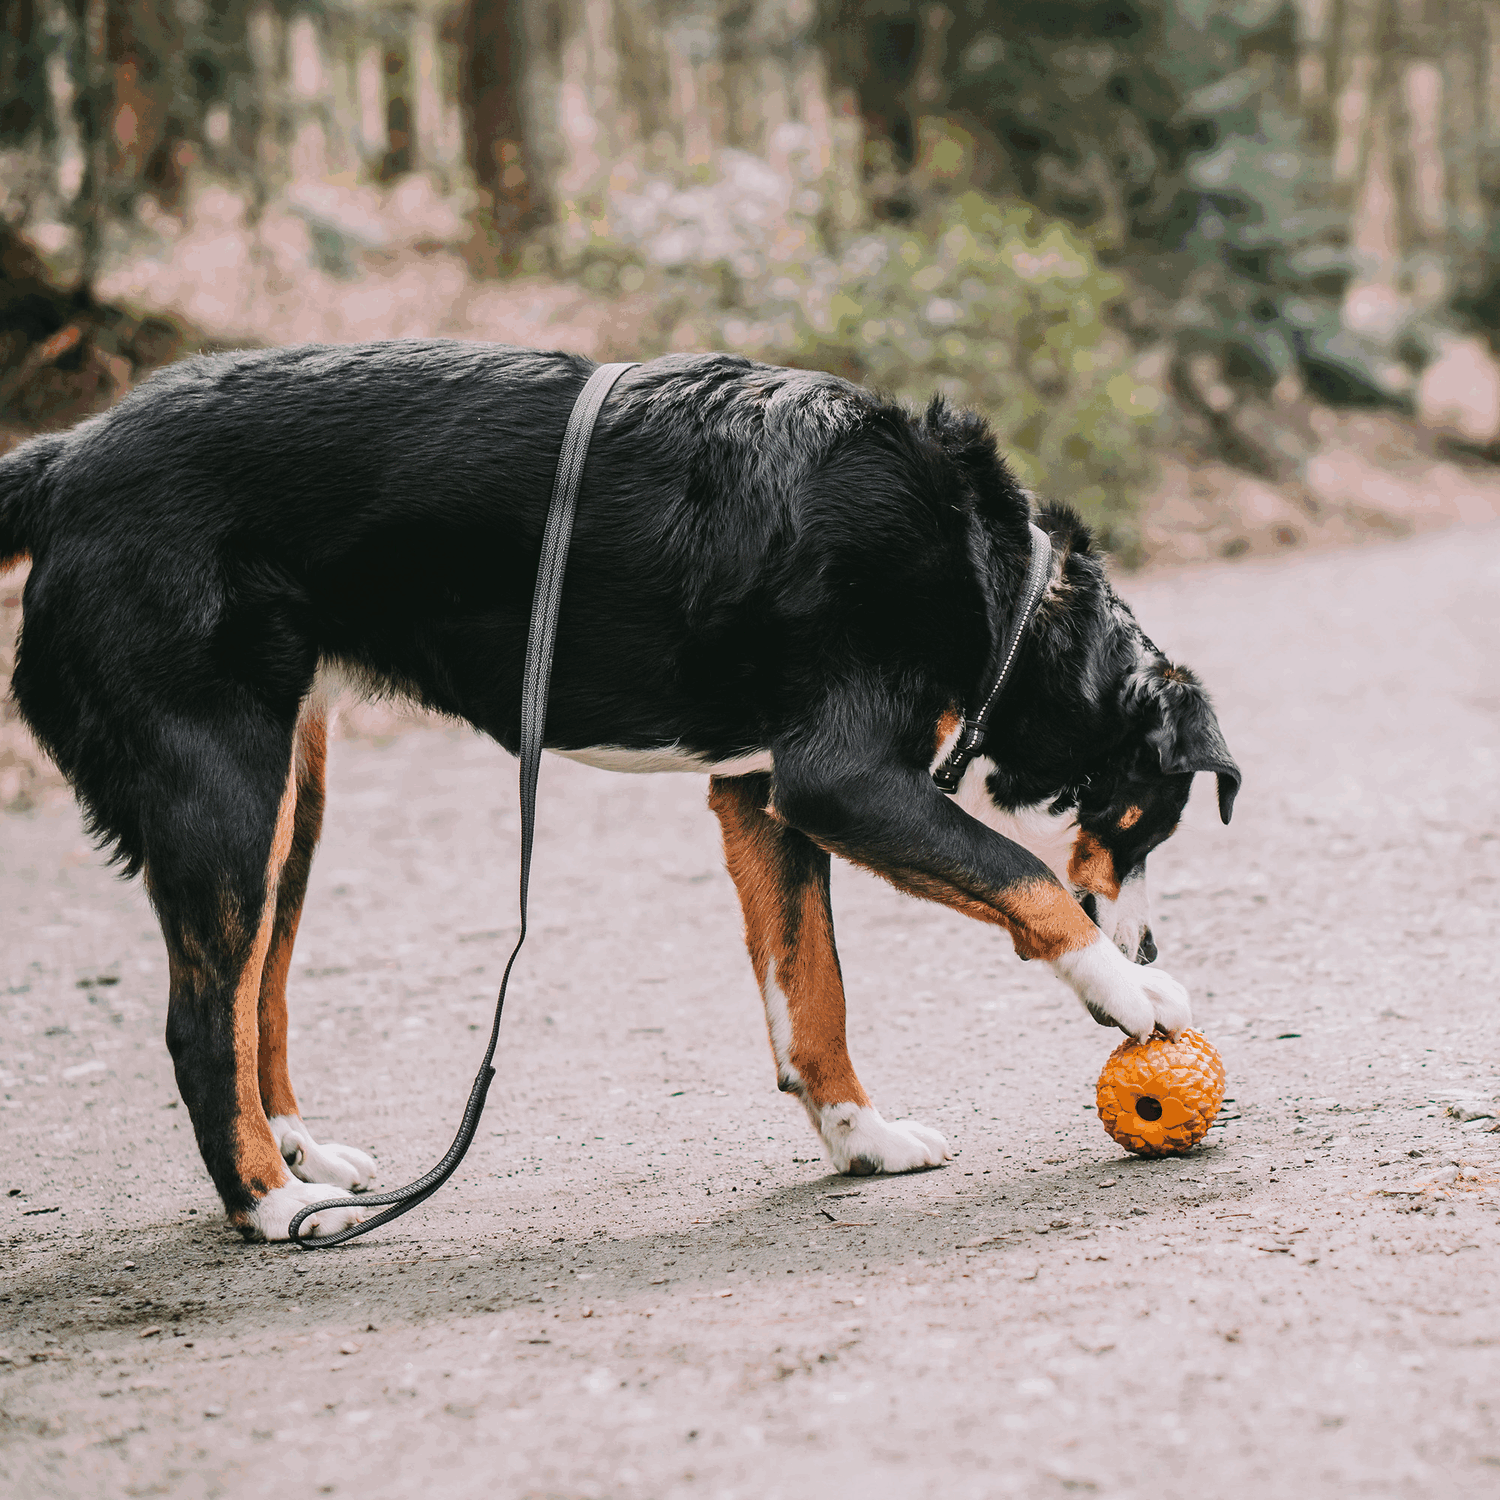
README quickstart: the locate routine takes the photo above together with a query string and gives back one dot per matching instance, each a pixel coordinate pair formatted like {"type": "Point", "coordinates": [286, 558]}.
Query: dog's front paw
{"type": "Point", "coordinates": [1116, 992]}
{"type": "Point", "coordinates": [272, 1216]}
{"type": "Point", "coordinates": [344, 1167]}
{"type": "Point", "coordinates": [861, 1143]}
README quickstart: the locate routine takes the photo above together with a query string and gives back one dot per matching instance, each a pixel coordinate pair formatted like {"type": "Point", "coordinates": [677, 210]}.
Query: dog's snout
{"type": "Point", "coordinates": [1146, 953]}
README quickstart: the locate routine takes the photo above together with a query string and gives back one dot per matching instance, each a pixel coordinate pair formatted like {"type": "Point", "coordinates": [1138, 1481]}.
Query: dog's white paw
{"type": "Point", "coordinates": [861, 1143]}
{"type": "Point", "coordinates": [1116, 992]}
{"type": "Point", "coordinates": [271, 1218]}
{"type": "Point", "coordinates": [344, 1167]}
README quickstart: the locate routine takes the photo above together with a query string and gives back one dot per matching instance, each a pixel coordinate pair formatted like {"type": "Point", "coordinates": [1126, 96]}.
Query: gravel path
{"type": "Point", "coordinates": [645, 1283]}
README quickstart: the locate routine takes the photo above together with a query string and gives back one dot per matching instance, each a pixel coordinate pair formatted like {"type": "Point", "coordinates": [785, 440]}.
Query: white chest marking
{"type": "Point", "coordinates": [1047, 835]}
{"type": "Point", "coordinates": [666, 758]}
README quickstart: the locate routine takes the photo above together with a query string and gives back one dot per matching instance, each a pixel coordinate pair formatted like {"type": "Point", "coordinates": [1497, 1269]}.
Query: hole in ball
{"type": "Point", "coordinates": [1148, 1108]}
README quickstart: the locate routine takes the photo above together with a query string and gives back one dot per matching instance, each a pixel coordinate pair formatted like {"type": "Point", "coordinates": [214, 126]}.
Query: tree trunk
{"type": "Point", "coordinates": [400, 150]}
{"type": "Point", "coordinates": [1358, 84]}
{"type": "Point", "coordinates": [494, 58]}
{"type": "Point", "coordinates": [1463, 127]}
{"type": "Point", "coordinates": [586, 119]}
{"type": "Point", "coordinates": [24, 115]}
{"type": "Point", "coordinates": [1415, 104]}
{"type": "Point", "coordinates": [1315, 65]}
{"type": "Point", "coordinates": [309, 77]}
{"type": "Point", "coordinates": [433, 149]}
{"type": "Point", "coordinates": [369, 76]}
{"type": "Point", "coordinates": [91, 109]}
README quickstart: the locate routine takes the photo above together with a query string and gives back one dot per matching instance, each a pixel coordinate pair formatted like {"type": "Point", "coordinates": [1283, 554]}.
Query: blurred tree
{"type": "Point", "coordinates": [1288, 186]}
{"type": "Point", "coordinates": [1168, 131]}
{"type": "Point", "coordinates": [491, 82]}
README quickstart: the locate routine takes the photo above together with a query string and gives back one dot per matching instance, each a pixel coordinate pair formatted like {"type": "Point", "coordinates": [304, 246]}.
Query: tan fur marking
{"type": "Point", "coordinates": [749, 855]}
{"type": "Point", "coordinates": [13, 561]}
{"type": "Point", "coordinates": [1043, 920]}
{"type": "Point", "coordinates": [799, 941]}
{"type": "Point", "coordinates": [277, 1097]}
{"type": "Point", "coordinates": [276, 1093]}
{"type": "Point", "coordinates": [946, 726]}
{"type": "Point", "coordinates": [1093, 868]}
{"type": "Point", "coordinates": [1130, 817]}
{"type": "Point", "coordinates": [814, 988]}
{"type": "Point", "coordinates": [256, 1155]}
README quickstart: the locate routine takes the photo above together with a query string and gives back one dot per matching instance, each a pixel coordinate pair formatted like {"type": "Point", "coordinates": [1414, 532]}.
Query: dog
{"type": "Point", "coordinates": [777, 579]}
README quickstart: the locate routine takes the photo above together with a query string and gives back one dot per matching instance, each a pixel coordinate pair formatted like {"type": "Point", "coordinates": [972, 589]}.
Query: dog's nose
{"type": "Point", "coordinates": [1146, 953]}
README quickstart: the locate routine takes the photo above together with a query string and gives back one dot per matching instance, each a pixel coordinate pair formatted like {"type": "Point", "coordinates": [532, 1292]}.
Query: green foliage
{"type": "Point", "coordinates": [1158, 126]}
{"type": "Point", "coordinates": [992, 304]}
{"type": "Point", "coordinates": [1258, 274]}
{"type": "Point", "coordinates": [1002, 310]}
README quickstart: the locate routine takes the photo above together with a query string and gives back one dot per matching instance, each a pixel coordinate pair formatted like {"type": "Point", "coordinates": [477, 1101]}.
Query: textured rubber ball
{"type": "Point", "coordinates": [1158, 1097]}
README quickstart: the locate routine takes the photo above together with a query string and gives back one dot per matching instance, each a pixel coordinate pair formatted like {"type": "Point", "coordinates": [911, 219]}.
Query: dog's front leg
{"type": "Point", "coordinates": [868, 806]}
{"type": "Point", "coordinates": [782, 879]}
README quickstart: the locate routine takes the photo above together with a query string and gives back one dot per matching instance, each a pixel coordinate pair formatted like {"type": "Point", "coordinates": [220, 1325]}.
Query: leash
{"type": "Point", "coordinates": [536, 678]}
{"type": "Point", "coordinates": [971, 736]}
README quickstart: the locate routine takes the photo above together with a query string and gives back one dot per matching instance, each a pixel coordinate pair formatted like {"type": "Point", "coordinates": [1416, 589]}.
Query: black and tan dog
{"type": "Point", "coordinates": [776, 578]}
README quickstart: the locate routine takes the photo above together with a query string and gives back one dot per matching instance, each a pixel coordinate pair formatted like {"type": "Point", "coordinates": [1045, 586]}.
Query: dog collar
{"type": "Point", "coordinates": [971, 735]}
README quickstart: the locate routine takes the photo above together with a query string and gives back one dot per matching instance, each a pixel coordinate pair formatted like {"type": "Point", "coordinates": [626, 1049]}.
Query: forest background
{"type": "Point", "coordinates": [1225, 274]}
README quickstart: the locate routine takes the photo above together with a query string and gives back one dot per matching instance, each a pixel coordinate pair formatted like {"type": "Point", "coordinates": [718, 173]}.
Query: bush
{"type": "Point", "coordinates": [1000, 309]}
{"type": "Point", "coordinates": [994, 304]}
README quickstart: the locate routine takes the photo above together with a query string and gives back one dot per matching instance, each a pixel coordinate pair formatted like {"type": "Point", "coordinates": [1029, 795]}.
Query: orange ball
{"type": "Point", "coordinates": [1158, 1097]}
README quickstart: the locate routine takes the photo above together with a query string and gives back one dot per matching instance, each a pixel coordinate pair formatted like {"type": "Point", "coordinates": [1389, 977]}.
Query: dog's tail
{"type": "Point", "coordinates": [23, 494]}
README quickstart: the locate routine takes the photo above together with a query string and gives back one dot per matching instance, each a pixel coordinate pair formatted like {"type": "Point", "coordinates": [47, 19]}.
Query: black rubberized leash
{"type": "Point", "coordinates": [536, 677]}
{"type": "Point", "coordinates": [971, 735]}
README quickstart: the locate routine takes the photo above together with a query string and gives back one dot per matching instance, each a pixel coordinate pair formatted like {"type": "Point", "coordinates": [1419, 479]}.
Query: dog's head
{"type": "Point", "coordinates": [1093, 753]}
{"type": "Point", "coordinates": [1134, 799]}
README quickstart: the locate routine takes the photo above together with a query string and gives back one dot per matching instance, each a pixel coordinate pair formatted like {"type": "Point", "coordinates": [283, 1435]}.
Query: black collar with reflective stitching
{"type": "Point", "coordinates": [971, 734]}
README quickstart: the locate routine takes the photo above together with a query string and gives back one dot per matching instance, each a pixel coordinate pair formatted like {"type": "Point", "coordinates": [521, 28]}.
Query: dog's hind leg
{"type": "Point", "coordinates": [783, 882]}
{"type": "Point", "coordinates": [219, 831]}
{"type": "Point", "coordinates": [343, 1167]}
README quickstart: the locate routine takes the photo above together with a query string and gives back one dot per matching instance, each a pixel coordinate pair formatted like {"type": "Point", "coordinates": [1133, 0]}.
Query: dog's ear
{"type": "Point", "coordinates": [1185, 733]}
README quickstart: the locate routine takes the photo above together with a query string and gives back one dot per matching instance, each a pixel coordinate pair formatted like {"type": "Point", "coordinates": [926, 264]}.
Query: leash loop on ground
{"type": "Point", "coordinates": [536, 677]}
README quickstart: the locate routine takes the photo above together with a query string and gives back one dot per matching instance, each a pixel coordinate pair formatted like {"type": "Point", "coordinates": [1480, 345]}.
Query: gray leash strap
{"type": "Point", "coordinates": [541, 642]}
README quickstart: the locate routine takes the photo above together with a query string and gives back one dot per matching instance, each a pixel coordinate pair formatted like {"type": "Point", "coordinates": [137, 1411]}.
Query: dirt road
{"type": "Point", "coordinates": [646, 1284]}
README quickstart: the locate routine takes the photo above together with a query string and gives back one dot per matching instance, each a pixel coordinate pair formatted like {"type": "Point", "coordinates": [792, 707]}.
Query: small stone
{"type": "Point", "coordinates": [349, 1348]}
{"type": "Point", "coordinates": [213, 1411]}
{"type": "Point", "coordinates": [1471, 1109]}
{"type": "Point", "coordinates": [150, 1332]}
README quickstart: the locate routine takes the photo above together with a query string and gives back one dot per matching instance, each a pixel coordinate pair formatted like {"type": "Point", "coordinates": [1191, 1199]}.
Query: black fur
{"type": "Point", "coordinates": [763, 559]}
